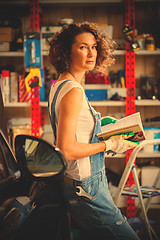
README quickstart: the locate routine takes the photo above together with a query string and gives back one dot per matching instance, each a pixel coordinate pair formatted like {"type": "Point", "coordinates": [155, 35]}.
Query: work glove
{"type": "Point", "coordinates": [107, 120]}
{"type": "Point", "coordinates": [119, 143]}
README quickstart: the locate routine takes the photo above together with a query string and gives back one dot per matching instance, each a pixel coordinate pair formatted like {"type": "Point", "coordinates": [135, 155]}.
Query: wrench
{"type": "Point", "coordinates": [82, 193]}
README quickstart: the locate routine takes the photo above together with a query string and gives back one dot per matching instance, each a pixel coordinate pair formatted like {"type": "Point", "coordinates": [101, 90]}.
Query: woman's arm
{"type": "Point", "coordinates": [70, 107]}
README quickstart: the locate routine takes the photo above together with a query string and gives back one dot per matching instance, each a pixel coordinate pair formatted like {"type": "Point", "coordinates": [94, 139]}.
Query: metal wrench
{"type": "Point", "coordinates": [82, 193]}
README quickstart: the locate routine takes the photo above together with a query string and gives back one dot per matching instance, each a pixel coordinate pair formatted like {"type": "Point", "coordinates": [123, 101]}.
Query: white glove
{"type": "Point", "coordinates": [119, 144]}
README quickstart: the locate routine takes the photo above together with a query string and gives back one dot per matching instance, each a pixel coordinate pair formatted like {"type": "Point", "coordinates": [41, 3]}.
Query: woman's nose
{"type": "Point", "coordinates": [90, 53]}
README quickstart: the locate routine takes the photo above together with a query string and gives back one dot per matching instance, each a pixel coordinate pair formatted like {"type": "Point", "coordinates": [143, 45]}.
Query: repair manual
{"type": "Point", "coordinates": [131, 123]}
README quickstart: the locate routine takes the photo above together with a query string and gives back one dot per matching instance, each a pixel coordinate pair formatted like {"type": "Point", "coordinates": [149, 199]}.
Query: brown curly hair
{"type": "Point", "coordinates": [61, 43]}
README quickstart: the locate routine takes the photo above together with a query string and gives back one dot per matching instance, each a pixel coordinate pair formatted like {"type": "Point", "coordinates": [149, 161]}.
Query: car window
{"type": "Point", "coordinates": [8, 165]}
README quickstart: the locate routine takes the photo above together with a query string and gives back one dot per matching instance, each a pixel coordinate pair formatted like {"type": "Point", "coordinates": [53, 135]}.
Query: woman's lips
{"type": "Point", "coordinates": [90, 62]}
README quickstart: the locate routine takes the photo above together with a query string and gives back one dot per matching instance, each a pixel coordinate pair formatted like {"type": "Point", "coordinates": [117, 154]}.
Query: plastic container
{"type": "Point", "coordinates": [150, 43]}
{"type": "Point", "coordinates": [151, 133]}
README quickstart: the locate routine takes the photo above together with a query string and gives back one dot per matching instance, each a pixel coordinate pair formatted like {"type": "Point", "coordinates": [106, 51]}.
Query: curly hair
{"type": "Point", "coordinates": [61, 44]}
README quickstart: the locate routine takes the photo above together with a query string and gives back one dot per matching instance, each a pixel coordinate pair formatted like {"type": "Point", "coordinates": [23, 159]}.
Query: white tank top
{"type": "Point", "coordinates": [81, 168]}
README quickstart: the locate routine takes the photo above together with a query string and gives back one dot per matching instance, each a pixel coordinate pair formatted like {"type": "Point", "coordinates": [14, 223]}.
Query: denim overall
{"type": "Point", "coordinates": [98, 214]}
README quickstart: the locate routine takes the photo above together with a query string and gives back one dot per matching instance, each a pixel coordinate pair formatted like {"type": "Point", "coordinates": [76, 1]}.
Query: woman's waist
{"type": "Point", "coordinates": [92, 177]}
{"type": "Point", "coordinates": [79, 169]}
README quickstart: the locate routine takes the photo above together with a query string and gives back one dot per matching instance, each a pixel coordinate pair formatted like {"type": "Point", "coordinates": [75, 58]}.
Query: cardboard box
{"type": "Point", "coordinates": [32, 49]}
{"type": "Point", "coordinates": [4, 46]}
{"type": "Point", "coordinates": [6, 34]}
{"type": "Point", "coordinates": [148, 176]}
{"type": "Point", "coordinates": [108, 29]}
{"type": "Point", "coordinates": [46, 33]}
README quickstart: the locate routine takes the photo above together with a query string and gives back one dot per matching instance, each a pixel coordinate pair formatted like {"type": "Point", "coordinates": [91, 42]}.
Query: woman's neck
{"type": "Point", "coordinates": [71, 76]}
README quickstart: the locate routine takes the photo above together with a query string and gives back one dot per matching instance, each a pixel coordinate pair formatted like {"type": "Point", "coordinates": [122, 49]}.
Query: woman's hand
{"type": "Point", "coordinates": [119, 143]}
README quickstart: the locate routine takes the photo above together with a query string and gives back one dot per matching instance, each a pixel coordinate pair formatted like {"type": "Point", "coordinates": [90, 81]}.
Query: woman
{"type": "Point", "coordinates": [74, 50]}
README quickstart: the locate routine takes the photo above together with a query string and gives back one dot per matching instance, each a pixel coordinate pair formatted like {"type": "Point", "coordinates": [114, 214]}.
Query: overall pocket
{"type": "Point", "coordinates": [92, 187]}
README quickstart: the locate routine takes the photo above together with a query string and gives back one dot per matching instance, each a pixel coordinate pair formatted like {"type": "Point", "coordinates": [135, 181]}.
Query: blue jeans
{"type": "Point", "coordinates": [98, 216]}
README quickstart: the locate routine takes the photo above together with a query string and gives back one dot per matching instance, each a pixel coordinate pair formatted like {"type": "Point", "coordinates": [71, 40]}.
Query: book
{"type": "Point", "coordinates": [146, 191]}
{"type": "Point", "coordinates": [131, 123]}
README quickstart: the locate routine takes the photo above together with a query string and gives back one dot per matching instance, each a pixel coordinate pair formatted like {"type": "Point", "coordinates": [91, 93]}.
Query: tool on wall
{"type": "Point", "coordinates": [128, 31]}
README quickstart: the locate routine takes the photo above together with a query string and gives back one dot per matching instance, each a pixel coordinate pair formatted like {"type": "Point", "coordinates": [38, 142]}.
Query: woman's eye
{"type": "Point", "coordinates": [82, 47]}
{"type": "Point", "coordinates": [94, 47]}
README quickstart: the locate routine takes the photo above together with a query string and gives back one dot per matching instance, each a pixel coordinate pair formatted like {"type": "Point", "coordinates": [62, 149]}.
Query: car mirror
{"type": "Point", "coordinates": [38, 158]}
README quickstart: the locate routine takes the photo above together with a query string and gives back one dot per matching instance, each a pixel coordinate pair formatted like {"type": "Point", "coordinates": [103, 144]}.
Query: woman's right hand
{"type": "Point", "coordinates": [119, 143]}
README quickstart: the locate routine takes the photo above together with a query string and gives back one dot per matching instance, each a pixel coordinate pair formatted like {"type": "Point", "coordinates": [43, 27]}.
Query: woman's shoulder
{"type": "Point", "coordinates": [68, 85]}
{"type": "Point", "coordinates": [73, 83]}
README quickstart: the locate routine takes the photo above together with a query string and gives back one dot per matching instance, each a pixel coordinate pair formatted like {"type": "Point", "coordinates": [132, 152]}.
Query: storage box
{"type": "Point", "coordinates": [6, 34]}
{"type": "Point", "coordinates": [108, 29]}
{"type": "Point", "coordinates": [151, 133]}
{"type": "Point", "coordinates": [121, 43]}
{"type": "Point", "coordinates": [4, 46]}
{"type": "Point", "coordinates": [17, 130]}
{"type": "Point", "coordinates": [26, 129]}
{"type": "Point", "coordinates": [14, 86]}
{"type": "Point", "coordinates": [46, 33]}
{"type": "Point", "coordinates": [96, 92]}
{"type": "Point", "coordinates": [148, 176]}
{"type": "Point", "coordinates": [120, 91]}
{"type": "Point", "coordinates": [32, 49]}
{"type": "Point", "coordinates": [6, 86]}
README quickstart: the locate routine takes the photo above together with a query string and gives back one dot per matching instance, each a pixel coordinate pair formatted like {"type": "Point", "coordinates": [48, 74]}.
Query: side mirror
{"type": "Point", "coordinates": [38, 158]}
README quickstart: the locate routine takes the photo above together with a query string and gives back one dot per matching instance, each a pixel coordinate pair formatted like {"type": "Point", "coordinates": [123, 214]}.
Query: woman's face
{"type": "Point", "coordinates": [84, 52]}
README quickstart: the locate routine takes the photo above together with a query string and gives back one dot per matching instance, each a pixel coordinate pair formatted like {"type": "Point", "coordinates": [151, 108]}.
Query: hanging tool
{"type": "Point", "coordinates": [129, 35]}
{"type": "Point", "coordinates": [82, 193]}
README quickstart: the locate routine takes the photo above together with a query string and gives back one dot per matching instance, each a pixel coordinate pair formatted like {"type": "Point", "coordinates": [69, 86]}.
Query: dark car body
{"type": "Point", "coordinates": [30, 207]}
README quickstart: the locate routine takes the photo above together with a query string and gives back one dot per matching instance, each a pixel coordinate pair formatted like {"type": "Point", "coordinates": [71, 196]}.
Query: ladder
{"type": "Point", "coordinates": [137, 190]}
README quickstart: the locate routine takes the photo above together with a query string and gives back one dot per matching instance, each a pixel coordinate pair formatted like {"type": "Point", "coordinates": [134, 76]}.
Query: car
{"type": "Point", "coordinates": [32, 205]}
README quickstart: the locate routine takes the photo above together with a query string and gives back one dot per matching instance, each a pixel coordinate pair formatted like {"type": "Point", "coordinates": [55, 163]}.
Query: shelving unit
{"type": "Point", "coordinates": [140, 155]}
{"type": "Point", "coordinates": [116, 52]}
{"type": "Point", "coordinates": [109, 103]}
{"type": "Point", "coordinates": [11, 54]}
{"type": "Point", "coordinates": [101, 14]}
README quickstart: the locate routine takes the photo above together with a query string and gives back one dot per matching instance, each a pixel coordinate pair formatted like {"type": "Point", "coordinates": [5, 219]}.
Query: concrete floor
{"type": "Point", "coordinates": [153, 214]}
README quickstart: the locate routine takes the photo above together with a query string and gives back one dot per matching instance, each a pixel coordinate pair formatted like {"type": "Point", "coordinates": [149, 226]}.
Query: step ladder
{"type": "Point", "coordinates": [138, 191]}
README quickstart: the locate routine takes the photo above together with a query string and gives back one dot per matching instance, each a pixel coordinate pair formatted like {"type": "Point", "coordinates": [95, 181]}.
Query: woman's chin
{"type": "Point", "coordinates": [89, 68]}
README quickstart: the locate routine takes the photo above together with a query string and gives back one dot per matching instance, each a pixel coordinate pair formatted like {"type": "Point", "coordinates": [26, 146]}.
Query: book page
{"type": "Point", "coordinates": [131, 123]}
{"type": "Point", "coordinates": [130, 120]}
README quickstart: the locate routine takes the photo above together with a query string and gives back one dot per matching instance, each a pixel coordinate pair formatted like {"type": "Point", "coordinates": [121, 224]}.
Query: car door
{"type": "Point", "coordinates": [14, 206]}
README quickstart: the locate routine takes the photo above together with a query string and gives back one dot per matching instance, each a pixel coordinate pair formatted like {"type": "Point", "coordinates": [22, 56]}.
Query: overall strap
{"type": "Point", "coordinates": [53, 115]}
